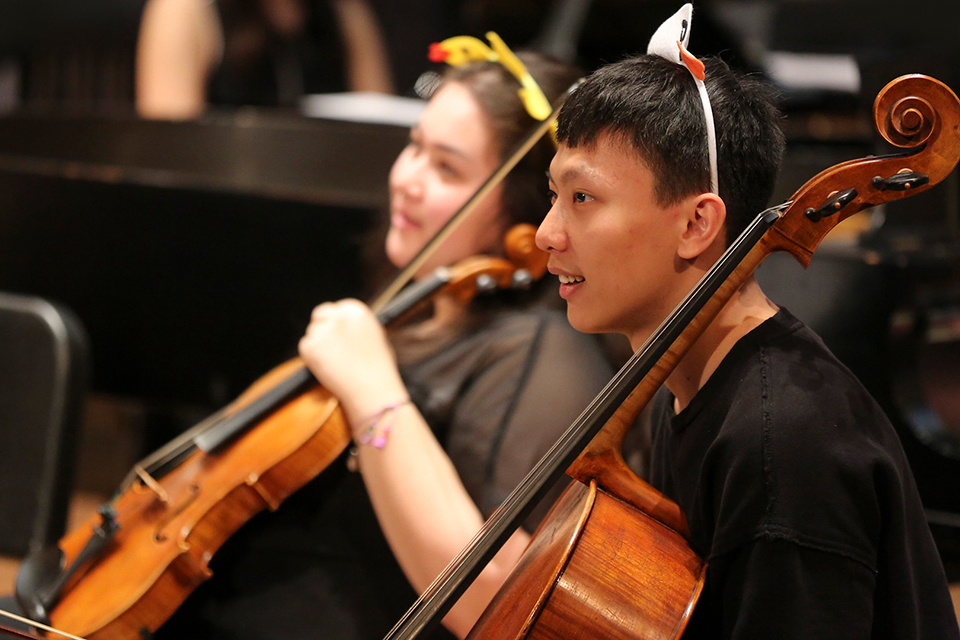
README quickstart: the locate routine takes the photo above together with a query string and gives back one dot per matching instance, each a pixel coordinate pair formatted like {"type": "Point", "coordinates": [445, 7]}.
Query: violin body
{"type": "Point", "coordinates": [161, 552]}
{"type": "Point", "coordinates": [125, 573]}
{"type": "Point", "coordinates": [597, 568]}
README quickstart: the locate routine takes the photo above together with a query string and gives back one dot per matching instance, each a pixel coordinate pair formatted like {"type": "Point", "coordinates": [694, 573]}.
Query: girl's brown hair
{"type": "Point", "coordinates": [495, 89]}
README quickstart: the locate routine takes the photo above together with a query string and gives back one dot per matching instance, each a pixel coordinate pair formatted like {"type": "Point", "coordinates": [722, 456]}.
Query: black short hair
{"type": "Point", "coordinates": [653, 106]}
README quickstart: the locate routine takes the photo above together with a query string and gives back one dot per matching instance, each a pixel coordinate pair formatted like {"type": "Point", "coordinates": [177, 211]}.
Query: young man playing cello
{"type": "Point", "coordinates": [794, 484]}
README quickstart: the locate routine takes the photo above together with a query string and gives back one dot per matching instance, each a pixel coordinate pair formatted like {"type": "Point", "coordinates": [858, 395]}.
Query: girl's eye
{"type": "Point", "coordinates": [580, 197]}
{"type": "Point", "coordinates": [552, 195]}
{"type": "Point", "coordinates": [448, 169]}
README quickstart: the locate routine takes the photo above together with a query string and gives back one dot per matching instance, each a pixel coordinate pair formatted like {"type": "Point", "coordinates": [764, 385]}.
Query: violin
{"type": "Point", "coordinates": [129, 568]}
{"type": "Point", "coordinates": [611, 559]}
{"type": "Point", "coordinates": [126, 570]}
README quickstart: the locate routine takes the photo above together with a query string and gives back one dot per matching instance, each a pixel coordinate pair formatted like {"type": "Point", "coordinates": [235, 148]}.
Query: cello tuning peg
{"type": "Point", "coordinates": [901, 181]}
{"type": "Point", "coordinates": [834, 203]}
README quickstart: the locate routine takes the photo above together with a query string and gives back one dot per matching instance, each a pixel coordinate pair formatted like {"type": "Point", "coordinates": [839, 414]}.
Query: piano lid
{"type": "Point", "coordinates": [248, 151]}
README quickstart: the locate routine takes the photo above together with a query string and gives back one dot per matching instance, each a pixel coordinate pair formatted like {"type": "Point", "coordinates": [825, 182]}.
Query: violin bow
{"type": "Point", "coordinates": [16, 633]}
{"type": "Point", "coordinates": [448, 228]}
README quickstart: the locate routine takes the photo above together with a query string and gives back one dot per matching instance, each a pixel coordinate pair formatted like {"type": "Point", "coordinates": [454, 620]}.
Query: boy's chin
{"type": "Point", "coordinates": [583, 322]}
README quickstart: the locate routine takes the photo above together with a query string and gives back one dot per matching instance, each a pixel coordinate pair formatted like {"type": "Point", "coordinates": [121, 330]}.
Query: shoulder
{"type": "Point", "coordinates": [821, 443]}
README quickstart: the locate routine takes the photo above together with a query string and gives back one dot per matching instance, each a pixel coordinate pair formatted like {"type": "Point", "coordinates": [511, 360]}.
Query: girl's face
{"type": "Point", "coordinates": [450, 154]}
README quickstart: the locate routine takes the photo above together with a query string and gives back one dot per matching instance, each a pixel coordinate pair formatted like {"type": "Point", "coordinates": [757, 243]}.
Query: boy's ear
{"type": "Point", "coordinates": [704, 221]}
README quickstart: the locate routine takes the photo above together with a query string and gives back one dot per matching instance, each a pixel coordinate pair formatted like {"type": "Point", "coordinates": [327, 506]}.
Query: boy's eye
{"type": "Point", "coordinates": [581, 197]}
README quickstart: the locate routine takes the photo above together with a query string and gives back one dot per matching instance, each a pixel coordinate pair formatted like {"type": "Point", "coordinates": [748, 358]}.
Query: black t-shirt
{"type": "Point", "coordinates": [258, 67]}
{"type": "Point", "coordinates": [798, 494]}
{"type": "Point", "coordinates": [497, 397]}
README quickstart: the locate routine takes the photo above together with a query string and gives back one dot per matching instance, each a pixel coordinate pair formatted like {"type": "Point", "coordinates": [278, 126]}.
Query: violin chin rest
{"type": "Point", "coordinates": [36, 578]}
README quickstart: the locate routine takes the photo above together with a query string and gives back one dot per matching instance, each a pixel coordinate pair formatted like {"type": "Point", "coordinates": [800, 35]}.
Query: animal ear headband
{"type": "Point", "coordinates": [670, 41]}
{"type": "Point", "coordinates": [462, 50]}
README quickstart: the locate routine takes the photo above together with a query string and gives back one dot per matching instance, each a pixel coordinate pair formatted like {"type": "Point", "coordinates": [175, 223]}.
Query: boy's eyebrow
{"type": "Point", "coordinates": [573, 173]}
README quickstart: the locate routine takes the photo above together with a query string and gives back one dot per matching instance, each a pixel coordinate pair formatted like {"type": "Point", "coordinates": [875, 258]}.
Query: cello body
{"type": "Point", "coordinates": [597, 568]}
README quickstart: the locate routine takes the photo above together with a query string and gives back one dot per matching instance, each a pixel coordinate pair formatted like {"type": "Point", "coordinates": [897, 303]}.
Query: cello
{"type": "Point", "coordinates": [611, 560]}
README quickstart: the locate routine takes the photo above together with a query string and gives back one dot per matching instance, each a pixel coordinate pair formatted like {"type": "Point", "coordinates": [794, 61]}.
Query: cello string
{"type": "Point", "coordinates": [38, 625]}
{"type": "Point", "coordinates": [439, 597]}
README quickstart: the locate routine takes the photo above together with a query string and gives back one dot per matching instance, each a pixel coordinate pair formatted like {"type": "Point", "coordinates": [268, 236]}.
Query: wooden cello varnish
{"type": "Point", "coordinates": [613, 562]}
{"type": "Point", "coordinates": [597, 568]}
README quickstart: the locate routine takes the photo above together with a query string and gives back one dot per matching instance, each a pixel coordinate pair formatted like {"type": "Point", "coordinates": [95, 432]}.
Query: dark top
{"type": "Point", "coordinates": [798, 494]}
{"type": "Point", "coordinates": [261, 68]}
{"type": "Point", "coordinates": [320, 567]}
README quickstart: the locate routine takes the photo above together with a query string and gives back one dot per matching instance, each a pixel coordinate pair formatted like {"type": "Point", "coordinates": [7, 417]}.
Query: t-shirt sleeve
{"type": "Point", "coordinates": [775, 588]}
{"type": "Point", "coordinates": [533, 394]}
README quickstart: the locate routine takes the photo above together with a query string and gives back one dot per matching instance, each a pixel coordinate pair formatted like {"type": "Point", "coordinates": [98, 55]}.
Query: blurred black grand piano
{"type": "Point", "coordinates": [192, 251]}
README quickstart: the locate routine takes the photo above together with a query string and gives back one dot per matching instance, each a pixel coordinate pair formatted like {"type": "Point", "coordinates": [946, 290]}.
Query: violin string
{"type": "Point", "coordinates": [38, 625]}
{"type": "Point", "coordinates": [169, 451]}
{"type": "Point", "coordinates": [185, 441]}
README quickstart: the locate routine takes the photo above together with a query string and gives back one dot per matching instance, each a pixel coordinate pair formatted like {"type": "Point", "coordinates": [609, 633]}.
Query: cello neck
{"type": "Point", "coordinates": [443, 593]}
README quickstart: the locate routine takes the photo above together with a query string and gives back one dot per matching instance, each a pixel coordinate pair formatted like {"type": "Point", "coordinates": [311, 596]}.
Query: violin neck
{"type": "Point", "coordinates": [412, 297]}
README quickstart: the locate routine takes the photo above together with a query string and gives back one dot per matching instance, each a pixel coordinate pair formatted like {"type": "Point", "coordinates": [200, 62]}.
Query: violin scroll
{"type": "Point", "coordinates": [522, 249]}
{"type": "Point", "coordinates": [479, 274]}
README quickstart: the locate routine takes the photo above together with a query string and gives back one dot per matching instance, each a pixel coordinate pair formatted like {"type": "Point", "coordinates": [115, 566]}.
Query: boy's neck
{"type": "Point", "coordinates": [746, 310]}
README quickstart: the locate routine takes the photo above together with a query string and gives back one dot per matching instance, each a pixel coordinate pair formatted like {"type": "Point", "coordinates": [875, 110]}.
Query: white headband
{"type": "Point", "coordinates": [670, 42]}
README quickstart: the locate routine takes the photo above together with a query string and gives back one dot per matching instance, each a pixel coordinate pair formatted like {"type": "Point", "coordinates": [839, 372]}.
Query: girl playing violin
{"type": "Point", "coordinates": [448, 413]}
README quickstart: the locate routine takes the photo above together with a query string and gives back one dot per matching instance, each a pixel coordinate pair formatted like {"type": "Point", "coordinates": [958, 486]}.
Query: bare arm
{"type": "Point", "coordinates": [421, 503]}
{"type": "Point", "coordinates": [368, 67]}
{"type": "Point", "coordinates": [180, 42]}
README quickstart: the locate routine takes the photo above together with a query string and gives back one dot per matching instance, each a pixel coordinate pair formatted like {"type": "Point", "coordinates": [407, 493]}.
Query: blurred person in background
{"type": "Point", "coordinates": [194, 53]}
{"type": "Point", "coordinates": [448, 412]}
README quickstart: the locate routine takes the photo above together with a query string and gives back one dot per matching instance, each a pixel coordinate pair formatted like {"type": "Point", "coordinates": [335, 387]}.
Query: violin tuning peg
{"type": "Point", "coordinates": [485, 284]}
{"type": "Point", "coordinates": [522, 279]}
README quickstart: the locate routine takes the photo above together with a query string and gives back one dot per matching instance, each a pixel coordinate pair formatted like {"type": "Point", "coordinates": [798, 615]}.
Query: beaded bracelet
{"type": "Point", "coordinates": [369, 434]}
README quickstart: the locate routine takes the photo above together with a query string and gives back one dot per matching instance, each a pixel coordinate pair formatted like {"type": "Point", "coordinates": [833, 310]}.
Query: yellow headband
{"type": "Point", "coordinates": [462, 50]}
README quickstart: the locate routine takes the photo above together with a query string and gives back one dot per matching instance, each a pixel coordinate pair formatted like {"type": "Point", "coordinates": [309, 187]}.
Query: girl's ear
{"type": "Point", "coordinates": [705, 218]}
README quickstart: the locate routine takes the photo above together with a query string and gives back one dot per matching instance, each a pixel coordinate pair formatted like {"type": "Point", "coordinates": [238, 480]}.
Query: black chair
{"type": "Point", "coordinates": [43, 377]}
